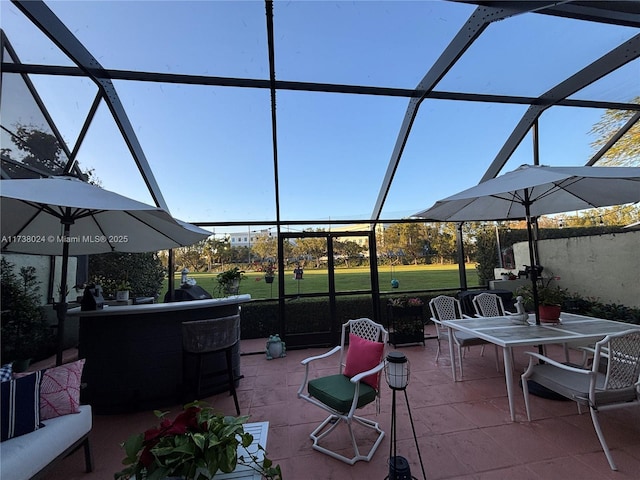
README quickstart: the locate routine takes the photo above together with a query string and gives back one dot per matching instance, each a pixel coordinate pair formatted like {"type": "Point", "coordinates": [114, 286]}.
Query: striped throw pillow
{"type": "Point", "coordinates": [20, 406]}
{"type": "Point", "coordinates": [6, 372]}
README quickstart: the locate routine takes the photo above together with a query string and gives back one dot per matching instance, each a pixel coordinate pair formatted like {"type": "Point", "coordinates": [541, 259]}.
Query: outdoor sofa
{"type": "Point", "coordinates": [42, 421]}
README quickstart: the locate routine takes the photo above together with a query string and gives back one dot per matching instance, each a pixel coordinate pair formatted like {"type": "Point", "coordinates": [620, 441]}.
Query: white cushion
{"type": "Point", "coordinates": [24, 456]}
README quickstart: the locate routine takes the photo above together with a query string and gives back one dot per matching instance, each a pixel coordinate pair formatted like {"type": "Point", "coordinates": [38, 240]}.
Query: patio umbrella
{"type": "Point", "coordinates": [533, 190]}
{"type": "Point", "coordinates": [66, 216]}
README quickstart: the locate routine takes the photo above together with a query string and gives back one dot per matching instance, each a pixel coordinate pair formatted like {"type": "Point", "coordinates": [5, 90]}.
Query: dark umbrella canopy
{"type": "Point", "coordinates": [65, 216]}
{"type": "Point", "coordinates": [531, 191]}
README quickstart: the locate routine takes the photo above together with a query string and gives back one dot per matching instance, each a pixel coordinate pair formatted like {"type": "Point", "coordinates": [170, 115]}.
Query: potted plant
{"type": "Point", "coordinates": [405, 320]}
{"type": "Point", "coordinates": [269, 273]}
{"type": "Point", "coordinates": [229, 281]}
{"type": "Point", "coordinates": [122, 291]}
{"type": "Point", "coordinates": [508, 276]}
{"type": "Point", "coordinates": [550, 299]}
{"type": "Point", "coordinates": [194, 446]}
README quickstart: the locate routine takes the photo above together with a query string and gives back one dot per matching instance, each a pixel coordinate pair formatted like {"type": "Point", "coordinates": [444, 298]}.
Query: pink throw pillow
{"type": "Point", "coordinates": [363, 355]}
{"type": "Point", "coordinates": [60, 390]}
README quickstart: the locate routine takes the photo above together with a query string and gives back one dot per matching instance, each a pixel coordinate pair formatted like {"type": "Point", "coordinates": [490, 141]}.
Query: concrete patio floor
{"type": "Point", "coordinates": [463, 428]}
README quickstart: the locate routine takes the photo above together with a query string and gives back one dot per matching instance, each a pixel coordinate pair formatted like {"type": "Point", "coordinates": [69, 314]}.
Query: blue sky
{"type": "Point", "coordinates": [210, 147]}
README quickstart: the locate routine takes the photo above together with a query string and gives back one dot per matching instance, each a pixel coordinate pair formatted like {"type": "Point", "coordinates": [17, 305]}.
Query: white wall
{"type": "Point", "coordinates": [43, 267]}
{"type": "Point", "coordinates": [603, 267]}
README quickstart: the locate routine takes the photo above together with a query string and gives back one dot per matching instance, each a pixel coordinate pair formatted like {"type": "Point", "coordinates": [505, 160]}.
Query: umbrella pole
{"type": "Point", "coordinates": [171, 282]}
{"type": "Point", "coordinates": [534, 270]}
{"type": "Point", "coordinates": [462, 272]}
{"type": "Point", "coordinates": [61, 308]}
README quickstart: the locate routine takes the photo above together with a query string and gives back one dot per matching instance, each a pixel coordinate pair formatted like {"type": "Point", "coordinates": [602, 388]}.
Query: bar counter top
{"type": "Point", "coordinates": [159, 307]}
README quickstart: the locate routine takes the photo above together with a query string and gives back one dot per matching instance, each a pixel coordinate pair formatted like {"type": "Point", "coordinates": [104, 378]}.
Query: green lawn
{"type": "Point", "coordinates": [410, 277]}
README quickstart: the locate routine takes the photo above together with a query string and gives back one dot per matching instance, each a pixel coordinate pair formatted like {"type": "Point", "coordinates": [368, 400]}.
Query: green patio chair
{"type": "Point", "coordinates": [355, 385]}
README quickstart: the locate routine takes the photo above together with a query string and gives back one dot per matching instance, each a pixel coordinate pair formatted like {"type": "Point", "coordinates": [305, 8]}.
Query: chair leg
{"type": "Point", "coordinates": [525, 390]}
{"type": "Point", "coordinates": [603, 443]}
{"type": "Point", "coordinates": [198, 374]}
{"type": "Point", "coordinates": [585, 359]}
{"type": "Point", "coordinates": [332, 421]}
{"type": "Point", "coordinates": [88, 457]}
{"type": "Point", "coordinates": [185, 384]}
{"type": "Point", "coordinates": [438, 350]}
{"type": "Point", "coordinates": [232, 380]}
{"type": "Point", "coordinates": [460, 362]}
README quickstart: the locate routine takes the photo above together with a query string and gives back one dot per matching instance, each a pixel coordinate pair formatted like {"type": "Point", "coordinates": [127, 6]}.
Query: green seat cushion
{"type": "Point", "coordinates": [336, 391]}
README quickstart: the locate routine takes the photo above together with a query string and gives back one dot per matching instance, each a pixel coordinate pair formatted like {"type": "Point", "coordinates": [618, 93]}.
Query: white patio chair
{"type": "Point", "coordinates": [355, 385]}
{"type": "Point", "coordinates": [613, 381]}
{"type": "Point", "coordinates": [489, 305]}
{"type": "Point", "coordinates": [443, 308]}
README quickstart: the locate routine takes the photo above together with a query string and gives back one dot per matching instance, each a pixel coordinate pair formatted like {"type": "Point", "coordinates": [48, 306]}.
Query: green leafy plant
{"type": "Point", "coordinates": [193, 446]}
{"type": "Point", "coordinates": [229, 281]}
{"type": "Point", "coordinates": [123, 286]}
{"type": "Point", "coordinates": [547, 294]}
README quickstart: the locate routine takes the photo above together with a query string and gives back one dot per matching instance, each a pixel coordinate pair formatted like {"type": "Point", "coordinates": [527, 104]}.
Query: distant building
{"type": "Point", "coordinates": [362, 241]}
{"type": "Point", "coordinates": [247, 238]}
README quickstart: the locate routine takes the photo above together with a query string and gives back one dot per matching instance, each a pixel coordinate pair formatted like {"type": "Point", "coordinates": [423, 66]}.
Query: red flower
{"type": "Point", "coordinates": [146, 457]}
{"type": "Point", "coordinates": [184, 422]}
{"type": "Point", "coordinates": [187, 420]}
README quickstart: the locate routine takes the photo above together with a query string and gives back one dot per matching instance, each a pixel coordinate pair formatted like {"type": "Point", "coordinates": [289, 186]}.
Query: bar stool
{"type": "Point", "coordinates": [202, 338]}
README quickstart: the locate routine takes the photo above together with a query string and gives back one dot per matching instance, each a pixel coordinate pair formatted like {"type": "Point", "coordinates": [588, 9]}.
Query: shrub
{"type": "Point", "coordinates": [486, 256]}
{"type": "Point", "coordinates": [612, 311]}
{"type": "Point", "coordinates": [142, 271]}
{"type": "Point", "coordinates": [25, 331]}
{"type": "Point", "coordinates": [260, 319]}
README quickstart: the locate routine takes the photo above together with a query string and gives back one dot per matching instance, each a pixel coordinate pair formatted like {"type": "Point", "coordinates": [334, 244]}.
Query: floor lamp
{"type": "Point", "coordinates": [397, 375]}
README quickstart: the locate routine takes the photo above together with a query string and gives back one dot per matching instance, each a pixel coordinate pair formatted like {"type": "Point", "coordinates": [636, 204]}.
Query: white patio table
{"type": "Point", "coordinates": [503, 332]}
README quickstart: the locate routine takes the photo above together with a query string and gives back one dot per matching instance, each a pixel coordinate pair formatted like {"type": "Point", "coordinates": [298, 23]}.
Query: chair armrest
{"type": "Point", "coordinates": [308, 360]}
{"type": "Point", "coordinates": [324, 355]}
{"type": "Point", "coordinates": [604, 351]}
{"type": "Point", "coordinates": [550, 361]}
{"type": "Point", "coordinates": [436, 321]}
{"type": "Point", "coordinates": [464, 315]}
{"type": "Point", "coordinates": [360, 376]}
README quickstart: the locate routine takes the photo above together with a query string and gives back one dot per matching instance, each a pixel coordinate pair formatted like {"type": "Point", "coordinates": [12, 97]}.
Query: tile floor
{"type": "Point", "coordinates": [463, 429]}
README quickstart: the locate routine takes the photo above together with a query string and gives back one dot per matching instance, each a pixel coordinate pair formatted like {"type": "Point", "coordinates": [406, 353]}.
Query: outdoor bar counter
{"type": "Point", "coordinates": [134, 353]}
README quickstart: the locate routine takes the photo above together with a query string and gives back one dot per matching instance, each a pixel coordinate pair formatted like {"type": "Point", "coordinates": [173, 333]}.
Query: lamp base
{"type": "Point", "coordinates": [399, 468]}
